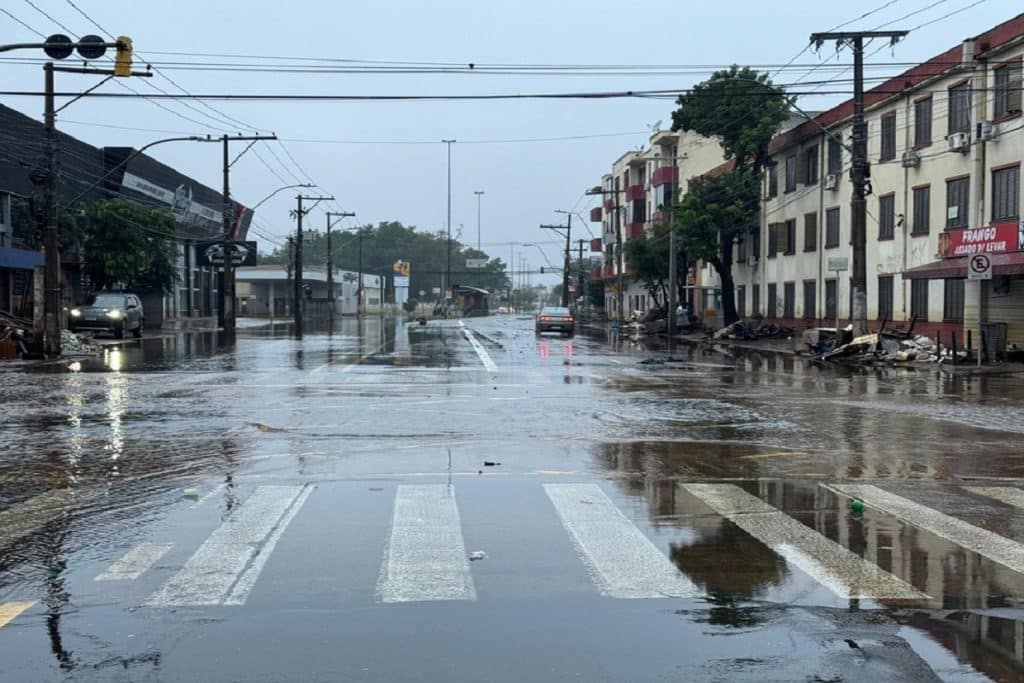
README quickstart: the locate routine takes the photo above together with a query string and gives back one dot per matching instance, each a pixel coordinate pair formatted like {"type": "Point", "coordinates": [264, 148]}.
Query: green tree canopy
{"type": "Point", "coordinates": [127, 245]}
{"type": "Point", "coordinates": [391, 241]}
{"type": "Point", "coordinates": [743, 110]}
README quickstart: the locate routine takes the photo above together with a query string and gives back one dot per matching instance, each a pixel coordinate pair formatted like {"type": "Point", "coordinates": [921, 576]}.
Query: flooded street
{"type": "Point", "coordinates": [467, 501]}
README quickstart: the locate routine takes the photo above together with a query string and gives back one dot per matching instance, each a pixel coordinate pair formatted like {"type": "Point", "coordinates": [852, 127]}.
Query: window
{"type": "Point", "coordinates": [1007, 89]}
{"type": "Point", "coordinates": [755, 247]}
{"type": "Point", "coordinates": [789, 300]}
{"type": "Point", "coordinates": [790, 246]}
{"type": "Point", "coordinates": [772, 301]}
{"type": "Point", "coordinates": [1006, 194]}
{"type": "Point", "coordinates": [888, 137]}
{"type": "Point", "coordinates": [741, 248]}
{"type": "Point", "coordinates": [831, 299]}
{"type": "Point", "coordinates": [832, 227]}
{"type": "Point", "coordinates": [885, 296]}
{"type": "Point", "coordinates": [755, 299]}
{"type": "Point", "coordinates": [835, 155]}
{"type": "Point", "coordinates": [953, 302]}
{"type": "Point", "coordinates": [773, 239]}
{"type": "Point", "coordinates": [790, 173]}
{"type": "Point", "coordinates": [811, 166]}
{"type": "Point", "coordinates": [810, 231]}
{"type": "Point", "coordinates": [810, 299]}
{"type": "Point", "coordinates": [957, 192]}
{"type": "Point", "coordinates": [960, 108]}
{"type": "Point", "coordinates": [919, 299]}
{"type": "Point", "coordinates": [886, 216]}
{"type": "Point", "coordinates": [923, 122]}
{"type": "Point", "coordinates": [922, 210]}
{"type": "Point", "coordinates": [741, 301]}
{"type": "Point", "coordinates": [773, 180]}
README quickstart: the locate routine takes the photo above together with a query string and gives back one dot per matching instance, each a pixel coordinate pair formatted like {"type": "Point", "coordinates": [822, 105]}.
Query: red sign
{"type": "Point", "coordinates": [992, 239]}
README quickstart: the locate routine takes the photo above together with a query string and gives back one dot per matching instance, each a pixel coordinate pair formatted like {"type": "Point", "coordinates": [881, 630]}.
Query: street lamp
{"type": "Point", "coordinates": [479, 194]}
{"type": "Point", "coordinates": [448, 261]}
{"type": "Point", "coordinates": [275, 192]}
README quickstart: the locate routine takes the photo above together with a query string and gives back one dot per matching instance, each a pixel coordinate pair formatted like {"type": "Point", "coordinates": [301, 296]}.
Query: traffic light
{"type": "Point", "coordinates": [123, 59]}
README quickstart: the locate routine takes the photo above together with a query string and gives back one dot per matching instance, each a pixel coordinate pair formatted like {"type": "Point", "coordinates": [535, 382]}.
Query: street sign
{"type": "Point", "coordinates": [838, 263]}
{"type": "Point", "coordinates": [212, 253]}
{"type": "Point", "coordinates": [476, 263]}
{"type": "Point", "coordinates": [979, 267]}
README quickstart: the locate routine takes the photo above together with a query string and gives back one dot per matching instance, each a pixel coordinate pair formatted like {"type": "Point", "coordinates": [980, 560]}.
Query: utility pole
{"type": "Point", "coordinates": [228, 235]}
{"type": "Point", "coordinates": [479, 194]}
{"type": "Point", "coordinates": [860, 167]}
{"type": "Point", "coordinates": [359, 287]}
{"type": "Point", "coordinates": [330, 257]}
{"type": "Point", "coordinates": [671, 287]}
{"type": "Point", "coordinates": [448, 261]}
{"type": "Point", "coordinates": [568, 251]}
{"type": "Point", "coordinates": [60, 47]}
{"type": "Point", "coordinates": [617, 252]}
{"type": "Point", "coordinates": [297, 292]}
{"type": "Point", "coordinates": [579, 269]}
{"type": "Point", "coordinates": [289, 274]}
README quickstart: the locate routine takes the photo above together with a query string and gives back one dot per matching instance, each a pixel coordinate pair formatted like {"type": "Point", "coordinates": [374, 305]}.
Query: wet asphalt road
{"type": "Point", "coordinates": [393, 503]}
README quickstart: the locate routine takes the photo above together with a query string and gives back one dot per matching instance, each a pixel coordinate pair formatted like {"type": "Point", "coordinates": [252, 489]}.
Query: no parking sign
{"type": "Point", "coordinates": [979, 267]}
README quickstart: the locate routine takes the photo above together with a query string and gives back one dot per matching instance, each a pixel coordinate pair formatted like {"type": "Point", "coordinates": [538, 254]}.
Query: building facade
{"type": "Point", "coordinates": [945, 143]}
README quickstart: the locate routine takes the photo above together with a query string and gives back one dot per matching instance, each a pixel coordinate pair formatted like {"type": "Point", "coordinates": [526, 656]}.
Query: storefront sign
{"type": "Point", "coordinates": [992, 239]}
{"type": "Point", "coordinates": [212, 253]}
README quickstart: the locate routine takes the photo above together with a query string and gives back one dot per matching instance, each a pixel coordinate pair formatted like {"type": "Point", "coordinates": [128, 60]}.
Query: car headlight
{"type": "Point", "coordinates": [114, 314]}
{"type": "Point", "coordinates": [76, 313]}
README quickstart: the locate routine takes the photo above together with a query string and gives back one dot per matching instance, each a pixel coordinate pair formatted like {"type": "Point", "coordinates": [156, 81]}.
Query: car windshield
{"type": "Point", "coordinates": [555, 311]}
{"type": "Point", "coordinates": [106, 300]}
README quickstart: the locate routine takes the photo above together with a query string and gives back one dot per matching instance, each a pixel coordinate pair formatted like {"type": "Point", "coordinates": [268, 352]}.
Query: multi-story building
{"type": "Point", "coordinates": [945, 142]}
{"type": "Point", "coordinates": [639, 193]}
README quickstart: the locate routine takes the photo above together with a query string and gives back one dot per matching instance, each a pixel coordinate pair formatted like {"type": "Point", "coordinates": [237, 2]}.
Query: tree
{"type": "Point", "coordinates": [128, 245]}
{"type": "Point", "coordinates": [743, 110]}
{"type": "Point", "coordinates": [647, 257]}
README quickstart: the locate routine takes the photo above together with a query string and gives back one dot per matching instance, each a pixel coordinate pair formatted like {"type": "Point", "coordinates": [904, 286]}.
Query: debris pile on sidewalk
{"type": "Point", "coordinates": [887, 346]}
{"type": "Point", "coordinates": [753, 328]}
{"type": "Point", "coordinates": [16, 336]}
{"type": "Point", "coordinates": [74, 344]}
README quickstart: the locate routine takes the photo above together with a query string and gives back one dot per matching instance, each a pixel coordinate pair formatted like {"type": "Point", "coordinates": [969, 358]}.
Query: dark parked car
{"type": "Point", "coordinates": [114, 312]}
{"type": "Point", "coordinates": [556, 319]}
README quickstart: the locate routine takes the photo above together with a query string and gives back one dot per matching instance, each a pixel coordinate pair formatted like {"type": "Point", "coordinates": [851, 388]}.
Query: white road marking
{"type": "Point", "coordinates": [426, 556]}
{"type": "Point", "coordinates": [622, 561]}
{"type": "Point", "coordinates": [210, 494]}
{"type": "Point", "coordinates": [232, 552]}
{"type": "Point", "coordinates": [830, 564]}
{"type": "Point", "coordinates": [981, 541]}
{"type": "Point", "coordinates": [1004, 494]}
{"type": "Point", "coordinates": [33, 514]}
{"type": "Point", "coordinates": [135, 562]}
{"type": "Point", "coordinates": [240, 593]}
{"type": "Point", "coordinates": [485, 357]}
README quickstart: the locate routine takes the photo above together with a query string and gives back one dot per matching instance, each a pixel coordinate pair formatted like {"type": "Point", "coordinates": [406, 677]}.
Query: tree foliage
{"type": "Point", "coordinates": [648, 259]}
{"type": "Point", "coordinates": [391, 241]}
{"type": "Point", "coordinates": [127, 245]}
{"type": "Point", "coordinates": [743, 110]}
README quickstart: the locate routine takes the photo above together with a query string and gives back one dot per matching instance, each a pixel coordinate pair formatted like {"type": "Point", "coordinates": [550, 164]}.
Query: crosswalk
{"type": "Point", "coordinates": [425, 557]}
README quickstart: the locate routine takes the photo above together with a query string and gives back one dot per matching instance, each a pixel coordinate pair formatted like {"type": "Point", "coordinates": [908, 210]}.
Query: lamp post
{"type": "Point", "coordinates": [479, 194]}
{"type": "Point", "coordinates": [448, 260]}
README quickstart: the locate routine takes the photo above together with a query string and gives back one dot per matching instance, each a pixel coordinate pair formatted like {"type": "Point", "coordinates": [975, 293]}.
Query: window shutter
{"type": "Point", "coordinates": [801, 168]}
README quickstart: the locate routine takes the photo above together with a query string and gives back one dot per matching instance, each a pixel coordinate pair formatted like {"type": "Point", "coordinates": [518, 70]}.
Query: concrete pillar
{"type": "Point", "coordinates": [271, 299]}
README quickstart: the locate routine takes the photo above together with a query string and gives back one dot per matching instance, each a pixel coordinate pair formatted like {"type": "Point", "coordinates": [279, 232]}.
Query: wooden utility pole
{"type": "Point", "coordinates": [297, 292]}
{"type": "Point", "coordinates": [860, 167]}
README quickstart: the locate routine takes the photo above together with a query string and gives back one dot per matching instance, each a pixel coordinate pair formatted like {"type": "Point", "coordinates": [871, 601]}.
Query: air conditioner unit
{"type": "Point", "coordinates": [831, 181]}
{"type": "Point", "coordinates": [986, 131]}
{"type": "Point", "coordinates": [959, 142]}
{"type": "Point", "coordinates": [911, 159]}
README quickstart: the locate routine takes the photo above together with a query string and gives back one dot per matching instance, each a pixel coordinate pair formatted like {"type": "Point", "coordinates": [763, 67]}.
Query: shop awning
{"type": "Point", "coordinates": [1002, 264]}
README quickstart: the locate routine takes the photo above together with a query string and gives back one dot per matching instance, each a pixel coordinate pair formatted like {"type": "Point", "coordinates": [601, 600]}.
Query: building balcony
{"type": "Point", "coordinates": [596, 246]}
{"type": "Point", "coordinates": [596, 214]}
{"type": "Point", "coordinates": [608, 272]}
{"type": "Point", "coordinates": [596, 275]}
{"type": "Point", "coordinates": [660, 217]}
{"type": "Point", "coordinates": [609, 204]}
{"type": "Point", "coordinates": [635, 192]}
{"type": "Point", "coordinates": [634, 230]}
{"type": "Point", "coordinates": [666, 175]}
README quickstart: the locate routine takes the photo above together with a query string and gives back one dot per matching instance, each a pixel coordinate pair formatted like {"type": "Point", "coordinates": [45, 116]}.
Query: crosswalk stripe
{"type": "Point", "coordinates": [135, 562]}
{"type": "Point", "coordinates": [830, 564]}
{"type": "Point", "coordinates": [1004, 494]}
{"type": "Point", "coordinates": [426, 556]}
{"type": "Point", "coordinates": [622, 560]}
{"type": "Point", "coordinates": [33, 514]}
{"type": "Point", "coordinates": [9, 611]}
{"type": "Point", "coordinates": [231, 553]}
{"type": "Point", "coordinates": [981, 541]}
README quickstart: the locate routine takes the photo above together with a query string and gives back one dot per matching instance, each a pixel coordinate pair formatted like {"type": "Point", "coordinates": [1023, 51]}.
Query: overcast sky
{"type": "Point", "coordinates": [524, 182]}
